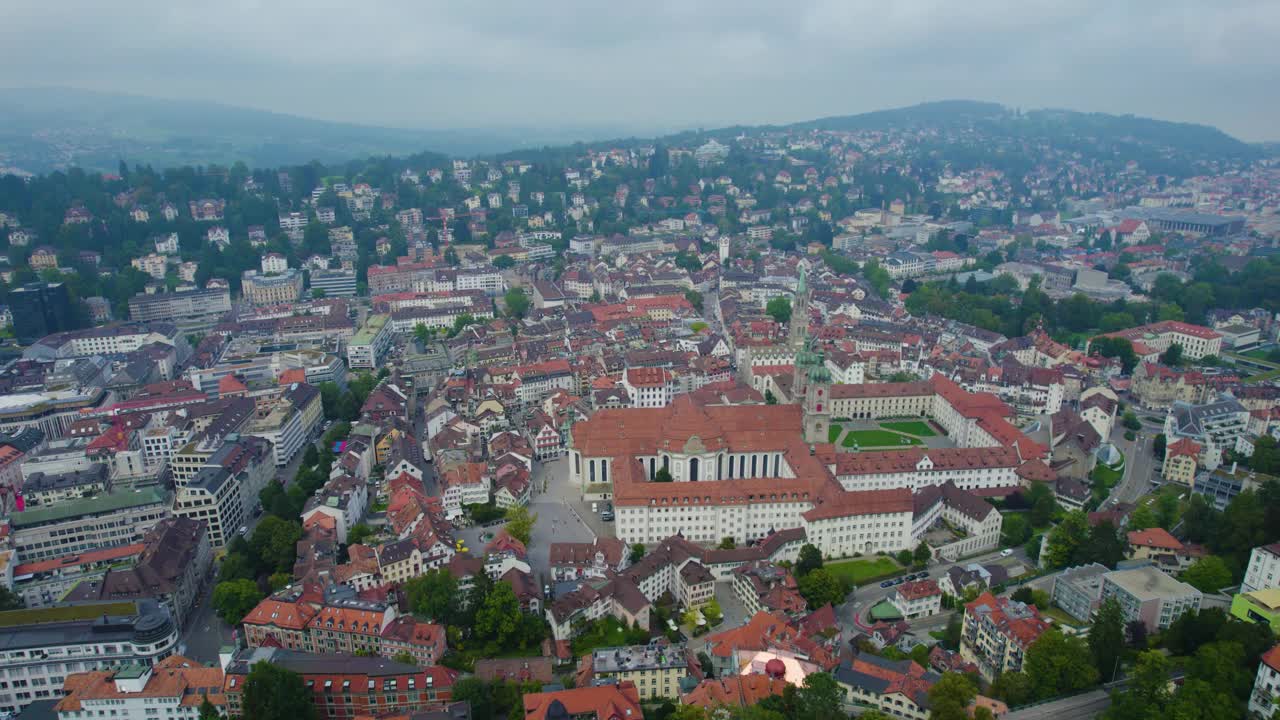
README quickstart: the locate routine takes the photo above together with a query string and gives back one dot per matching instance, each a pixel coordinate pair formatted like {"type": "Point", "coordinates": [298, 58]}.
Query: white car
{"type": "Point", "coordinates": [1006, 552]}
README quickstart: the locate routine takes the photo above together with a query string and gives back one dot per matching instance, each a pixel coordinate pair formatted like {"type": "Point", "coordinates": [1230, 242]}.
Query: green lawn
{"type": "Point", "coordinates": [877, 438]}
{"type": "Point", "coordinates": [833, 433]}
{"type": "Point", "coordinates": [607, 632]}
{"type": "Point", "coordinates": [864, 570]}
{"type": "Point", "coordinates": [910, 427]}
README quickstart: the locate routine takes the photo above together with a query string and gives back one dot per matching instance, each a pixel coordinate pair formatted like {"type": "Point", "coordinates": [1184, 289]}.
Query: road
{"type": "Point", "coordinates": [1140, 465]}
{"type": "Point", "coordinates": [1088, 704]}
{"type": "Point", "coordinates": [205, 632]}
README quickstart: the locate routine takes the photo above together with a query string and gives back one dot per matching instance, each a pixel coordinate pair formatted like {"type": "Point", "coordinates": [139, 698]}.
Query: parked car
{"type": "Point", "coordinates": [886, 583]}
{"type": "Point", "coordinates": [1006, 552]}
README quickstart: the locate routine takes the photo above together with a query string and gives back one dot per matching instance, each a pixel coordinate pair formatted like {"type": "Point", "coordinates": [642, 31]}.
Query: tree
{"type": "Point", "coordinates": [499, 617]}
{"type": "Point", "coordinates": [1148, 691]}
{"type": "Point", "coordinates": [950, 696]}
{"type": "Point", "coordinates": [422, 333]}
{"type": "Point", "coordinates": [233, 599]}
{"type": "Point", "coordinates": [358, 534]}
{"type": "Point", "coordinates": [1172, 356]}
{"type": "Point", "coordinates": [819, 587]}
{"type": "Point", "coordinates": [1158, 445]}
{"type": "Point", "coordinates": [516, 302]}
{"type": "Point", "coordinates": [1031, 596]}
{"type": "Point", "coordinates": [1014, 530]}
{"type": "Point", "coordinates": [1116, 348]}
{"type": "Point", "coordinates": [272, 692]}
{"type": "Point", "coordinates": [779, 309]}
{"type": "Point", "coordinates": [520, 523]}
{"type": "Point", "coordinates": [1209, 574]}
{"type": "Point", "coordinates": [1043, 504]}
{"type": "Point", "coordinates": [663, 475]}
{"type": "Point", "coordinates": [1130, 420]}
{"type": "Point", "coordinates": [1058, 664]}
{"type": "Point", "coordinates": [818, 699]}
{"type": "Point", "coordinates": [695, 299]}
{"type": "Point", "coordinates": [727, 543]}
{"type": "Point", "coordinates": [1142, 517]}
{"type": "Point", "coordinates": [951, 635]}
{"type": "Point", "coordinates": [504, 262]}
{"type": "Point", "coordinates": [637, 552]}
{"type": "Point", "coordinates": [810, 559]}
{"type": "Point", "coordinates": [279, 580]}
{"type": "Point", "coordinates": [1015, 688]}
{"type": "Point", "coordinates": [208, 711]}
{"type": "Point", "coordinates": [1106, 638]}
{"type": "Point", "coordinates": [922, 554]}
{"type": "Point", "coordinates": [1104, 545]}
{"type": "Point", "coordinates": [770, 398]}
{"type": "Point", "coordinates": [275, 543]}
{"type": "Point", "coordinates": [1070, 534]}
{"type": "Point", "coordinates": [433, 595]}
{"type": "Point", "coordinates": [9, 600]}
{"type": "Point", "coordinates": [1135, 634]}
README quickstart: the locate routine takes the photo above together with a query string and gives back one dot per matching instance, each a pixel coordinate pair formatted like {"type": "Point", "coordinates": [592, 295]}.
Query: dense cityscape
{"type": "Point", "coordinates": [953, 411]}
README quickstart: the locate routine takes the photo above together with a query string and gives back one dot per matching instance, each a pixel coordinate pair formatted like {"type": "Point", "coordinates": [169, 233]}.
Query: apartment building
{"type": "Point", "coordinates": [171, 570]}
{"type": "Point", "coordinates": [1150, 595]}
{"type": "Point", "coordinates": [656, 670]}
{"type": "Point", "coordinates": [175, 686]}
{"type": "Point", "coordinates": [1265, 698]}
{"type": "Point", "coordinates": [1264, 569]}
{"type": "Point", "coordinates": [348, 686]}
{"type": "Point", "coordinates": [367, 348]}
{"type": "Point", "coordinates": [1078, 590]}
{"type": "Point", "coordinates": [44, 582]}
{"type": "Point", "coordinates": [649, 387]}
{"type": "Point", "coordinates": [996, 633]}
{"type": "Point", "coordinates": [916, 599]}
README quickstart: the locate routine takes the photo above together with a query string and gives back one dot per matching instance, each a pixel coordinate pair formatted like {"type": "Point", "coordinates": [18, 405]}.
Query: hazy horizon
{"type": "Point", "coordinates": [661, 67]}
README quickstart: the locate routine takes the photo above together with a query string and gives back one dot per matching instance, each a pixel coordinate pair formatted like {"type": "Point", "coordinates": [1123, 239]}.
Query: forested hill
{"type": "Point", "coordinates": [43, 129]}
{"type": "Point", "coordinates": [1097, 131]}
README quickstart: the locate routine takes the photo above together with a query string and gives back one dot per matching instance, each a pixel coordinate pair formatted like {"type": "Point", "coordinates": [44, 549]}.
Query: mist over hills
{"type": "Point", "coordinates": [44, 129]}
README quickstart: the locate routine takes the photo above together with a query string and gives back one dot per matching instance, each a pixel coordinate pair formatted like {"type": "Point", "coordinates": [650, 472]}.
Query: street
{"type": "Point", "coordinates": [205, 632]}
{"type": "Point", "coordinates": [1084, 705]}
{"type": "Point", "coordinates": [1140, 465]}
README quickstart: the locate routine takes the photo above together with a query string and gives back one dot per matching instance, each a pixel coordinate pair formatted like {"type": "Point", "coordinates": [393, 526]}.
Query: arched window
{"type": "Point", "coordinates": [693, 469]}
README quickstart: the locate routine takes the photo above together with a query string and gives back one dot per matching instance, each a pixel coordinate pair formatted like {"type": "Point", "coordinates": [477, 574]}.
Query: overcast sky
{"type": "Point", "coordinates": [656, 64]}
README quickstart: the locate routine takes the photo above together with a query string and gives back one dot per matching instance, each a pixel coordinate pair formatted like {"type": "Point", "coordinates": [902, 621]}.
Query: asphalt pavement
{"type": "Point", "coordinates": [205, 632]}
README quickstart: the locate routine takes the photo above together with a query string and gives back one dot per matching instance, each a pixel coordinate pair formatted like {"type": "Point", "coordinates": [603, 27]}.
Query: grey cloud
{"type": "Point", "coordinates": [658, 64]}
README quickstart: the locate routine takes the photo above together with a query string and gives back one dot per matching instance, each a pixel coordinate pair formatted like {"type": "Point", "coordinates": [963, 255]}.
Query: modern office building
{"type": "Point", "coordinates": [334, 283]}
{"type": "Point", "coordinates": [370, 344]}
{"type": "Point", "coordinates": [40, 648]}
{"type": "Point", "coordinates": [120, 517]}
{"type": "Point", "coordinates": [39, 309]}
{"type": "Point", "coordinates": [190, 310]}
